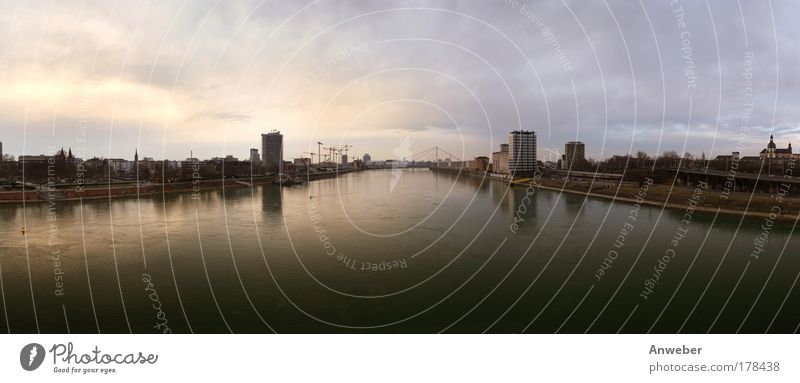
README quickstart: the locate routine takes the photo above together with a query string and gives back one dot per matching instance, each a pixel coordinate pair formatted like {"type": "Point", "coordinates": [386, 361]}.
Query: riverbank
{"type": "Point", "coordinates": [755, 205]}
{"type": "Point", "coordinates": [127, 190]}
{"type": "Point", "coordinates": [101, 191]}
{"type": "Point", "coordinates": [736, 204]}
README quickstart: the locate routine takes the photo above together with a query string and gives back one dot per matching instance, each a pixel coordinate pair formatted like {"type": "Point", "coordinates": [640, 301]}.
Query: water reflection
{"type": "Point", "coordinates": [203, 254]}
{"type": "Point", "coordinates": [272, 199]}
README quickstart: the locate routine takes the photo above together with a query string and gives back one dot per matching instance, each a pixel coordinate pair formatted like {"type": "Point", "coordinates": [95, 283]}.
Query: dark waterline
{"type": "Point", "coordinates": [388, 251]}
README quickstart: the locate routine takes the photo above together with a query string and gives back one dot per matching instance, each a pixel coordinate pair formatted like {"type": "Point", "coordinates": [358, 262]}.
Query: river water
{"type": "Point", "coordinates": [391, 251]}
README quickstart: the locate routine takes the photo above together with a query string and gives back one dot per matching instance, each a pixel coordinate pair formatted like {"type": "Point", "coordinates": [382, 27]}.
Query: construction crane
{"type": "Point", "coordinates": [335, 150]}
{"type": "Point", "coordinates": [331, 151]}
{"type": "Point", "coordinates": [346, 149]}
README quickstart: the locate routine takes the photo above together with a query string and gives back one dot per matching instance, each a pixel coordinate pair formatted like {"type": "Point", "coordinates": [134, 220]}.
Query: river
{"type": "Point", "coordinates": [391, 251]}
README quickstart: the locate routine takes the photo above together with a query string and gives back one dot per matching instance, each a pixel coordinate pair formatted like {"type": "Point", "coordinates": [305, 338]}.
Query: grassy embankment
{"type": "Point", "coordinates": [756, 205]}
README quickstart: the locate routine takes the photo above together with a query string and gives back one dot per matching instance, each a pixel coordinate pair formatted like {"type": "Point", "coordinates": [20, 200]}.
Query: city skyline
{"type": "Point", "coordinates": [551, 155]}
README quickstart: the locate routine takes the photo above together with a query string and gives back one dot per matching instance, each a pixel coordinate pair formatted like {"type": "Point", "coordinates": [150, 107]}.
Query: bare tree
{"type": "Point", "coordinates": [642, 158]}
{"type": "Point", "coordinates": [670, 158]}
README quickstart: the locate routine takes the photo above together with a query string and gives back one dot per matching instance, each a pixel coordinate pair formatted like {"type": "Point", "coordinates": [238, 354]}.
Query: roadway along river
{"type": "Point", "coordinates": [391, 251]}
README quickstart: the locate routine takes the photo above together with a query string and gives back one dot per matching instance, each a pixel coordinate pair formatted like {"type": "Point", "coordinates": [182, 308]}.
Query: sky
{"type": "Point", "coordinates": [208, 77]}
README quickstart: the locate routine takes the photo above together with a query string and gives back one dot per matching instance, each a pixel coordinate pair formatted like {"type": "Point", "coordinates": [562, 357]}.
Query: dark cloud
{"type": "Point", "coordinates": [610, 73]}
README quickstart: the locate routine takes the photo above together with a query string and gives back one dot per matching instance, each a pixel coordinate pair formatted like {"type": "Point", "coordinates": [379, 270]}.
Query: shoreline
{"type": "Point", "coordinates": [119, 192]}
{"type": "Point", "coordinates": [132, 190]}
{"type": "Point", "coordinates": [671, 205]}
{"type": "Point", "coordinates": [678, 192]}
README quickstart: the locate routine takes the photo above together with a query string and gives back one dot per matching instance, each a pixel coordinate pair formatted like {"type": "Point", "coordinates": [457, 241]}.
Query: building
{"type": "Point", "coordinates": [255, 158]}
{"type": "Point", "coordinates": [65, 164]}
{"type": "Point", "coordinates": [34, 167]}
{"type": "Point", "coordinates": [136, 163]}
{"type": "Point", "coordinates": [172, 165]}
{"type": "Point", "coordinates": [272, 151]}
{"type": "Point", "coordinates": [772, 151]}
{"type": "Point", "coordinates": [119, 165]}
{"type": "Point", "coordinates": [60, 166]}
{"type": "Point", "coordinates": [367, 158]}
{"type": "Point", "coordinates": [33, 160]}
{"type": "Point", "coordinates": [480, 164]}
{"type": "Point", "coordinates": [574, 155]}
{"type": "Point", "coordinates": [228, 158]}
{"type": "Point", "coordinates": [7, 168]}
{"type": "Point", "coordinates": [192, 169]}
{"type": "Point", "coordinates": [302, 162]}
{"type": "Point", "coordinates": [500, 160]}
{"type": "Point", "coordinates": [522, 152]}
{"type": "Point", "coordinates": [225, 167]}
{"type": "Point", "coordinates": [344, 159]}
{"type": "Point", "coordinates": [734, 156]}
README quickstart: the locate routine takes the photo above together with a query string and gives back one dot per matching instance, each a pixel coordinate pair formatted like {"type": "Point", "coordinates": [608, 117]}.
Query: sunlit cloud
{"type": "Point", "coordinates": [210, 77]}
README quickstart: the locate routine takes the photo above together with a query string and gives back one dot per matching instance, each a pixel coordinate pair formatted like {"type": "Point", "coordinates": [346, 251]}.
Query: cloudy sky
{"type": "Point", "coordinates": [170, 77]}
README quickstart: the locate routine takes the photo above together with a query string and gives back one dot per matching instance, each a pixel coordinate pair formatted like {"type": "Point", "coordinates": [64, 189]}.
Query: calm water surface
{"type": "Point", "coordinates": [388, 251]}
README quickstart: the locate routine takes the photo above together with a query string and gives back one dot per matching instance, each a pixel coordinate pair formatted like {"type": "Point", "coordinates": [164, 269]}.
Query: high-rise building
{"type": "Point", "coordinates": [272, 151]}
{"type": "Point", "coordinates": [522, 152]}
{"type": "Point", "coordinates": [344, 159]}
{"type": "Point", "coordinates": [367, 158]}
{"type": "Point", "coordinates": [500, 160]}
{"type": "Point", "coordinates": [255, 158]}
{"type": "Point", "coordinates": [574, 154]}
{"type": "Point", "coordinates": [1, 151]}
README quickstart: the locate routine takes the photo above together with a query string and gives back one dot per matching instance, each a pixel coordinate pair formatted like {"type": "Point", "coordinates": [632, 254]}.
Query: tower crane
{"type": "Point", "coordinates": [346, 149]}
{"type": "Point", "coordinates": [331, 151]}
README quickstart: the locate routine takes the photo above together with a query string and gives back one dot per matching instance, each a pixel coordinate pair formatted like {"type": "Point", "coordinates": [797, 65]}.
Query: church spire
{"type": "Point", "coordinates": [136, 164]}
